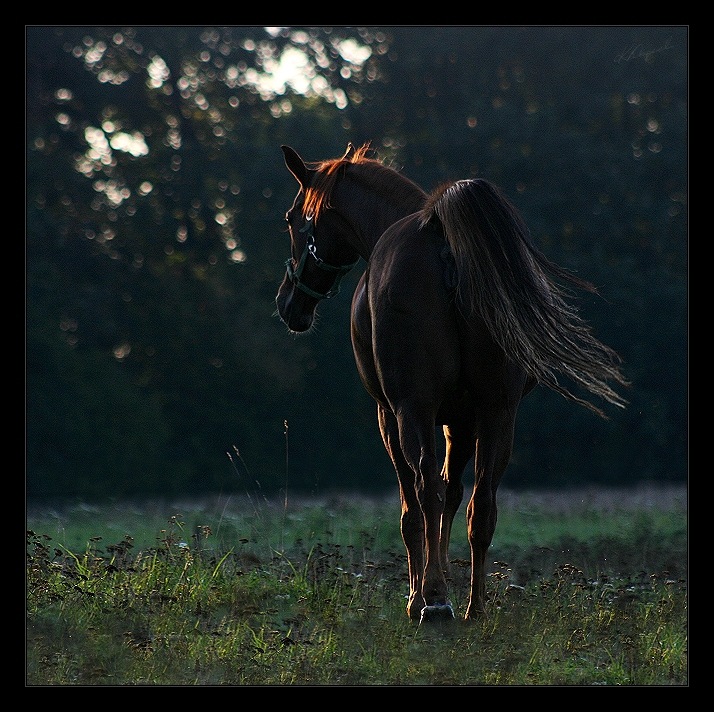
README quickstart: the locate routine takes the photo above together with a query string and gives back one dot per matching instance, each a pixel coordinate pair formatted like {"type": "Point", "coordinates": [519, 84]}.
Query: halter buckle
{"type": "Point", "coordinates": [294, 274]}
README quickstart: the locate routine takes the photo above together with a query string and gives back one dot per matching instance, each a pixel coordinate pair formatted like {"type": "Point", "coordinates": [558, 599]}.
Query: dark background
{"type": "Point", "coordinates": [155, 242]}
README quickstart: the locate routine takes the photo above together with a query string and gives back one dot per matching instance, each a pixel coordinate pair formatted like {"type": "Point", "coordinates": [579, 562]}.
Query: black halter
{"type": "Point", "coordinates": [294, 274]}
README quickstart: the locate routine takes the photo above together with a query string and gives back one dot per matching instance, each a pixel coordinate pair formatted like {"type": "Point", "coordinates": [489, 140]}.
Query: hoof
{"type": "Point", "coordinates": [437, 613]}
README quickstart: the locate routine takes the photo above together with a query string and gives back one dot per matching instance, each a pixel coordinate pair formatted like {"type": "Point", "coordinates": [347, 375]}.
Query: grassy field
{"type": "Point", "coordinates": [585, 588]}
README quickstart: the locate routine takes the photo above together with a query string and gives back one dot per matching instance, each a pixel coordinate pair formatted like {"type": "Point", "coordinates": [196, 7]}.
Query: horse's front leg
{"type": "Point", "coordinates": [460, 440]}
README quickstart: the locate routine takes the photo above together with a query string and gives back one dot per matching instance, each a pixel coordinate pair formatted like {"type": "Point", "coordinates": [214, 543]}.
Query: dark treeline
{"type": "Point", "coordinates": [155, 241]}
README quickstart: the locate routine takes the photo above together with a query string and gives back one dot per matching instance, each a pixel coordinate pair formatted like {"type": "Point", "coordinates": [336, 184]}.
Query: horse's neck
{"type": "Point", "coordinates": [370, 213]}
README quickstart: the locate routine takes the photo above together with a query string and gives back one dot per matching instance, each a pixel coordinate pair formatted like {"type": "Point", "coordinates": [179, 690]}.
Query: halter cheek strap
{"type": "Point", "coordinates": [295, 274]}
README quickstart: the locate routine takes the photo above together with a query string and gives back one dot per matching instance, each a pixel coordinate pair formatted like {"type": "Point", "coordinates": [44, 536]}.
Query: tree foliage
{"type": "Point", "coordinates": [155, 242]}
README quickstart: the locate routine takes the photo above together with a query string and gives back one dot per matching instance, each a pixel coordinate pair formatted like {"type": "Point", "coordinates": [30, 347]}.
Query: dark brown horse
{"type": "Point", "coordinates": [455, 319]}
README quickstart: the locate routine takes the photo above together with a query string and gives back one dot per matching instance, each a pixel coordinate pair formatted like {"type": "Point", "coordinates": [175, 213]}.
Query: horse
{"type": "Point", "coordinates": [455, 319]}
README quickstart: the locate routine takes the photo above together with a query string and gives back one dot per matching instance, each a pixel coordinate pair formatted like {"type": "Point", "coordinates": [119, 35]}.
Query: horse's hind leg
{"type": "Point", "coordinates": [412, 523]}
{"type": "Point", "coordinates": [493, 452]}
{"type": "Point", "coordinates": [418, 446]}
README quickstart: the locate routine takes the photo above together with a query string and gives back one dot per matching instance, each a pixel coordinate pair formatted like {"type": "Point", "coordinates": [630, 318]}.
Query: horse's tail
{"type": "Point", "coordinates": [505, 278]}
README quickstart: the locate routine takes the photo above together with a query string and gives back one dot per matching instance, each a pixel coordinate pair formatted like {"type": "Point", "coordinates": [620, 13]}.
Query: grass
{"type": "Point", "coordinates": [588, 589]}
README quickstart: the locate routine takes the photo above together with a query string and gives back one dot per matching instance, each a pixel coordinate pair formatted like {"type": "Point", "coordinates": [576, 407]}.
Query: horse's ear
{"type": "Point", "coordinates": [296, 166]}
{"type": "Point", "coordinates": [349, 152]}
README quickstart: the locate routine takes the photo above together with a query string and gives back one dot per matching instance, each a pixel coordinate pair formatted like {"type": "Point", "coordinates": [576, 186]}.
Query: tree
{"type": "Point", "coordinates": [155, 197]}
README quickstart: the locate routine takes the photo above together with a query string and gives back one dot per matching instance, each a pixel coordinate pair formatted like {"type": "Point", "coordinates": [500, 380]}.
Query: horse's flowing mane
{"type": "Point", "coordinates": [514, 287]}
{"type": "Point", "coordinates": [368, 172]}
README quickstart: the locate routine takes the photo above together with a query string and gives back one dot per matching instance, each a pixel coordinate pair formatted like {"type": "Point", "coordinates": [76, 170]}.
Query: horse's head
{"type": "Point", "coordinates": [321, 253]}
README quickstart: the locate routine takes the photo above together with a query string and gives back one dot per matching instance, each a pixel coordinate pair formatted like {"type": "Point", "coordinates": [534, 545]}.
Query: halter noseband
{"type": "Point", "coordinates": [294, 274]}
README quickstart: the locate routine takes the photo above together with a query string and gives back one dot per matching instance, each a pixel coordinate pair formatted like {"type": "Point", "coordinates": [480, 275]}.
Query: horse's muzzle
{"type": "Point", "coordinates": [294, 308]}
